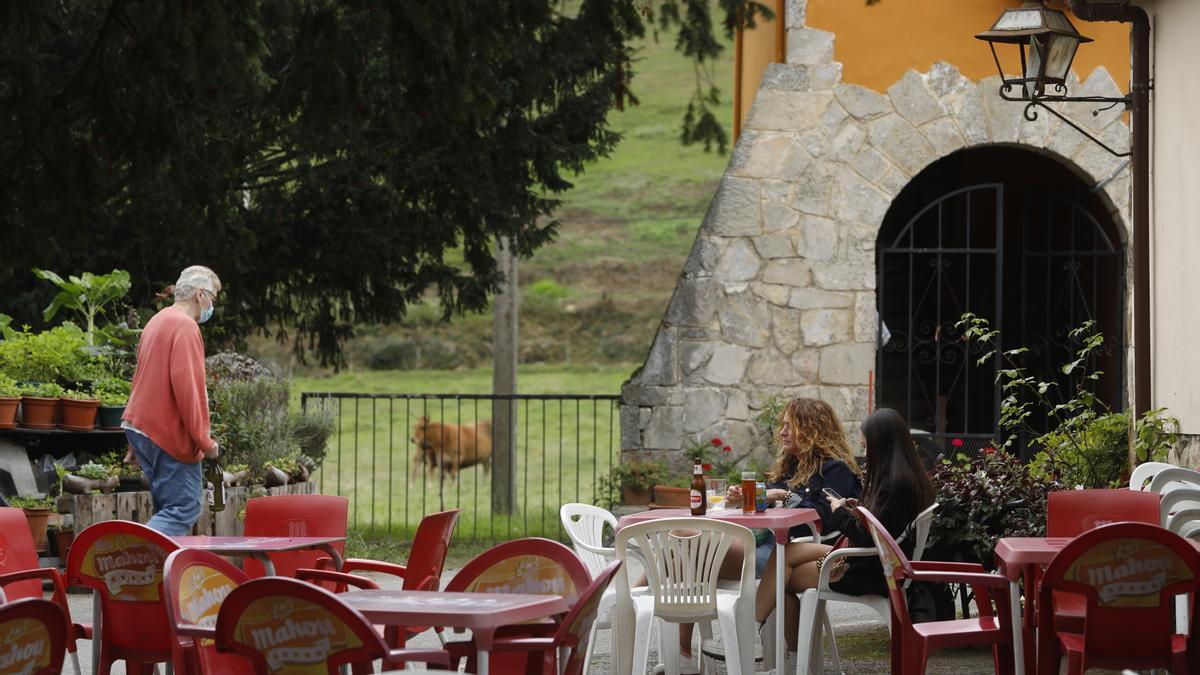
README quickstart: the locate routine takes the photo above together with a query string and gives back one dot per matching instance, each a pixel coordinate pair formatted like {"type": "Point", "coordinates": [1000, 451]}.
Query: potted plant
{"type": "Point", "coordinates": [129, 476]}
{"type": "Point", "coordinates": [290, 468]}
{"type": "Point", "coordinates": [90, 476]}
{"type": "Point", "coordinates": [79, 410]}
{"type": "Point", "coordinates": [237, 474]}
{"type": "Point", "coordinates": [10, 400]}
{"type": "Point", "coordinates": [635, 480]}
{"type": "Point", "coordinates": [37, 512]}
{"type": "Point", "coordinates": [39, 405]}
{"type": "Point", "coordinates": [114, 395]}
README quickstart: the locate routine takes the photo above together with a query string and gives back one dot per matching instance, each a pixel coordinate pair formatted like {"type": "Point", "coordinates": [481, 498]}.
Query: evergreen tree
{"type": "Point", "coordinates": [332, 160]}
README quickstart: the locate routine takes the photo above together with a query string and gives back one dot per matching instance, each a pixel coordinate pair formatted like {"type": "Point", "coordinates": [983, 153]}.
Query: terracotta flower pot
{"type": "Point", "coordinates": [631, 496]}
{"type": "Point", "coordinates": [38, 412]}
{"type": "Point", "coordinates": [109, 417]}
{"type": "Point", "coordinates": [8, 411]}
{"type": "Point", "coordinates": [39, 519]}
{"type": "Point", "coordinates": [79, 415]}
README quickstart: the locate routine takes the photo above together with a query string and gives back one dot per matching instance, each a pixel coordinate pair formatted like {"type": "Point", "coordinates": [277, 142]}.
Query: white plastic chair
{"type": "Point", "coordinates": [1170, 476]}
{"type": "Point", "coordinates": [585, 525]}
{"type": "Point", "coordinates": [814, 620]}
{"type": "Point", "coordinates": [683, 557]}
{"type": "Point", "coordinates": [1144, 472]}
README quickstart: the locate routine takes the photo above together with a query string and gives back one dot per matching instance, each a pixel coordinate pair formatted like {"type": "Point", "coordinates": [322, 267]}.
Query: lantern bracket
{"type": "Point", "coordinates": [1031, 114]}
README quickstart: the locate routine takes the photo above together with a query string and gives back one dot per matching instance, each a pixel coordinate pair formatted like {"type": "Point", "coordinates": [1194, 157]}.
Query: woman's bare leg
{"type": "Point", "coordinates": [796, 555]}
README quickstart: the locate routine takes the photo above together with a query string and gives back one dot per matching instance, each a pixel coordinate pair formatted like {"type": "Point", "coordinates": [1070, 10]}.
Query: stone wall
{"type": "Point", "coordinates": [777, 297]}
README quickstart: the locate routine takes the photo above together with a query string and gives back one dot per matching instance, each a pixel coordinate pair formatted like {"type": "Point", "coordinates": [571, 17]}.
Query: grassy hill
{"type": "Point", "coordinates": [596, 294]}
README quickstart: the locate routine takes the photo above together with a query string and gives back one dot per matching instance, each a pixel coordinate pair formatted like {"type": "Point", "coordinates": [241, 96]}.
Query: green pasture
{"type": "Point", "coordinates": [563, 447]}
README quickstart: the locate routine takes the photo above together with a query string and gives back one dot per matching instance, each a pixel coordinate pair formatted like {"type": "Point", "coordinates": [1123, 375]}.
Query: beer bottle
{"type": "Point", "coordinates": [214, 485]}
{"type": "Point", "coordinates": [699, 500]}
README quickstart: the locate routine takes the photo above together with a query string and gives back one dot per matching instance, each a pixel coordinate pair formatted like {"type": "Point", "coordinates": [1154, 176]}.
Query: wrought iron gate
{"type": "Point", "coordinates": [944, 261]}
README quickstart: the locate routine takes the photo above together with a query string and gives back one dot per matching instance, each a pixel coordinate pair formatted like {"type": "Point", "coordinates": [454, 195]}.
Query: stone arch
{"type": "Point", "coordinates": [777, 297]}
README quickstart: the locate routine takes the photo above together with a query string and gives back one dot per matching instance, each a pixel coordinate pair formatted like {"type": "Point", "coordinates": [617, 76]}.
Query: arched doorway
{"type": "Point", "coordinates": [1009, 235]}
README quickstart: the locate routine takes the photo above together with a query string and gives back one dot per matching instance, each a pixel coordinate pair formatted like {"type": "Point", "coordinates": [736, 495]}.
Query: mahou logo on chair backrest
{"type": "Point", "coordinates": [1128, 573]}
{"type": "Point", "coordinates": [26, 646]}
{"type": "Point", "coordinates": [294, 635]}
{"type": "Point", "coordinates": [130, 567]}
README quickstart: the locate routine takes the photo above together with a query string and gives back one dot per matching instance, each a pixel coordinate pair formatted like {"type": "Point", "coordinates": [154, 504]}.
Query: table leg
{"type": "Point", "coordinates": [97, 631]}
{"type": "Point", "coordinates": [268, 566]}
{"type": "Point", "coordinates": [337, 558]}
{"type": "Point", "coordinates": [1014, 606]}
{"type": "Point", "coordinates": [781, 539]}
{"type": "Point", "coordinates": [483, 662]}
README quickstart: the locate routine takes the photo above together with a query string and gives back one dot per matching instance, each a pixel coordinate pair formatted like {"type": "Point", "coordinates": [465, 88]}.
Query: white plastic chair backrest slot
{"type": "Point", "coordinates": [921, 525]}
{"type": "Point", "coordinates": [1177, 499]}
{"type": "Point", "coordinates": [1143, 473]}
{"type": "Point", "coordinates": [585, 525]}
{"type": "Point", "coordinates": [1178, 521]}
{"type": "Point", "coordinates": [1173, 475]}
{"type": "Point", "coordinates": [683, 557]}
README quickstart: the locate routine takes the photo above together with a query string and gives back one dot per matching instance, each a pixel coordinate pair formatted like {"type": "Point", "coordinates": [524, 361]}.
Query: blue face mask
{"type": "Point", "coordinates": [206, 312]}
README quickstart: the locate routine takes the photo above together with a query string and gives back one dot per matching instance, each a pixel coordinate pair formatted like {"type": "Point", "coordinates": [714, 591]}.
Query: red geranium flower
{"type": "Point", "coordinates": [708, 467]}
{"type": "Point", "coordinates": [989, 450]}
{"type": "Point", "coordinates": [727, 449]}
{"type": "Point", "coordinates": [717, 443]}
{"type": "Point", "coordinates": [957, 442]}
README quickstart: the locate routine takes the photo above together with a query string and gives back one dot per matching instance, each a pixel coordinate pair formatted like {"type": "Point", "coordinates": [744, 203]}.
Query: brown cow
{"type": "Point", "coordinates": [451, 446]}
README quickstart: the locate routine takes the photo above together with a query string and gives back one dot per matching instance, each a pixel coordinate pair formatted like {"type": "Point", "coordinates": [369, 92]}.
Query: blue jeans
{"type": "Point", "coordinates": [174, 486]}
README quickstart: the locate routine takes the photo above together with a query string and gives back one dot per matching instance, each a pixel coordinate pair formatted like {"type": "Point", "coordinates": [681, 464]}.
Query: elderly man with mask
{"type": "Point", "coordinates": [166, 420]}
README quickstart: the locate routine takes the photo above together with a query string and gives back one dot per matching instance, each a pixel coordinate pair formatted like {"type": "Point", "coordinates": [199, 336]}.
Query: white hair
{"type": "Point", "coordinates": [193, 279]}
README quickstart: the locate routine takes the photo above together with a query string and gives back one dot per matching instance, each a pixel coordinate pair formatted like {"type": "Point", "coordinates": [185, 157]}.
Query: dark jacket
{"type": "Point", "coordinates": [865, 575]}
{"type": "Point", "coordinates": [834, 474]}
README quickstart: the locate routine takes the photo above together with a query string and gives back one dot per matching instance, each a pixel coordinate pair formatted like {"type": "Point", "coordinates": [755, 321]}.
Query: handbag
{"type": "Point", "coordinates": [839, 565]}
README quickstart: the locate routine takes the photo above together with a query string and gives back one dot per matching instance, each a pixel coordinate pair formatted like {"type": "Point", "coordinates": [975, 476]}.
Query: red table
{"type": "Point", "coordinates": [260, 547]}
{"type": "Point", "coordinates": [779, 521]}
{"type": "Point", "coordinates": [482, 613]}
{"type": "Point", "coordinates": [1016, 559]}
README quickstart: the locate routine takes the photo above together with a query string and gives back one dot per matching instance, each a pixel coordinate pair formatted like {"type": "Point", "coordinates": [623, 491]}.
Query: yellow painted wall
{"type": "Point", "coordinates": [876, 44]}
{"type": "Point", "coordinates": [758, 50]}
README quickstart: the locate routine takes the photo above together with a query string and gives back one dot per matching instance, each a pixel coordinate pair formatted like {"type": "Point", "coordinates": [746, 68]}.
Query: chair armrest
{"type": "Point", "coordinates": [60, 589]}
{"type": "Point", "coordinates": [608, 552]}
{"type": "Point", "coordinates": [400, 657]}
{"type": "Point", "coordinates": [525, 644]}
{"type": "Point", "coordinates": [195, 631]}
{"type": "Point", "coordinates": [941, 566]}
{"type": "Point", "coordinates": [362, 564]}
{"type": "Point", "coordinates": [341, 579]}
{"type": "Point", "coordinates": [973, 578]}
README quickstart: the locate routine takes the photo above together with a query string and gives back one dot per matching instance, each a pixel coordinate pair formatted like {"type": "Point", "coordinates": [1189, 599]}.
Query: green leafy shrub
{"type": "Point", "coordinates": [78, 395]}
{"type": "Point", "coordinates": [249, 412]}
{"type": "Point", "coordinates": [41, 390]}
{"type": "Point", "coordinates": [1087, 444]}
{"type": "Point", "coordinates": [8, 387]}
{"type": "Point", "coordinates": [972, 494]}
{"type": "Point", "coordinates": [111, 391]}
{"type": "Point", "coordinates": [60, 355]}
{"type": "Point", "coordinates": [31, 502]}
{"type": "Point", "coordinates": [634, 474]}
{"type": "Point", "coordinates": [89, 295]}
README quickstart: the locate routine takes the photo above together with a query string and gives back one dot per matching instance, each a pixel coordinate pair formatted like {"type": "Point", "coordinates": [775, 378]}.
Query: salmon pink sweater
{"type": "Point", "coordinates": [169, 401]}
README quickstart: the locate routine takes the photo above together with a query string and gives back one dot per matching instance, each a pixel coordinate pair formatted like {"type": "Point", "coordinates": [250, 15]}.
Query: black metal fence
{"type": "Point", "coordinates": [401, 456]}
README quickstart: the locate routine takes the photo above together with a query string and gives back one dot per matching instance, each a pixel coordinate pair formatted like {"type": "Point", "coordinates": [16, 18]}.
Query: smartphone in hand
{"type": "Point", "coordinates": [831, 493]}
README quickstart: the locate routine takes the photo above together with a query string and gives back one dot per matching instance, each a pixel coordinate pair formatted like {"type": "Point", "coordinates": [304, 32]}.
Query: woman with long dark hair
{"type": "Point", "coordinates": [897, 489]}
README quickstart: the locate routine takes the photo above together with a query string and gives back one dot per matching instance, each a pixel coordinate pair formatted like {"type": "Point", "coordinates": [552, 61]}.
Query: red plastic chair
{"type": "Point", "coordinates": [532, 565]}
{"type": "Point", "coordinates": [574, 633]}
{"type": "Point", "coordinates": [423, 572]}
{"type": "Point", "coordinates": [196, 583]}
{"type": "Point", "coordinates": [1070, 513]}
{"type": "Point", "coordinates": [1127, 574]}
{"type": "Point", "coordinates": [286, 626]}
{"type": "Point", "coordinates": [20, 576]}
{"type": "Point", "coordinates": [294, 516]}
{"type": "Point", "coordinates": [122, 563]}
{"type": "Point", "coordinates": [35, 637]}
{"type": "Point", "coordinates": [912, 643]}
